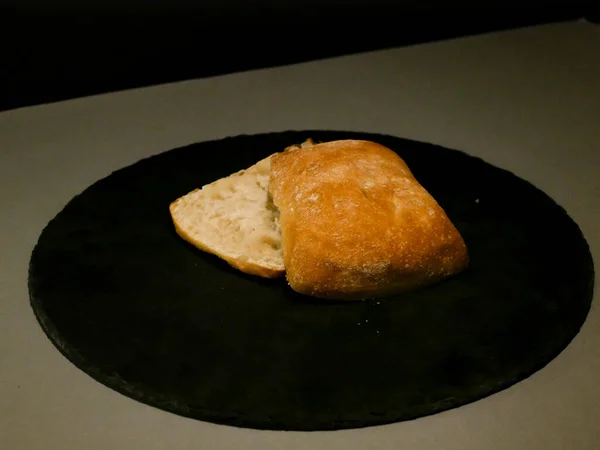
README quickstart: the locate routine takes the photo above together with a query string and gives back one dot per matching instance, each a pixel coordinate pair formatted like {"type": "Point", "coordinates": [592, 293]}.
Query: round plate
{"type": "Point", "coordinates": [143, 312]}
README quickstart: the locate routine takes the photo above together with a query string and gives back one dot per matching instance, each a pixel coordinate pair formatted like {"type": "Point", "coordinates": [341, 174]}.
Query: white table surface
{"type": "Point", "coordinates": [526, 100]}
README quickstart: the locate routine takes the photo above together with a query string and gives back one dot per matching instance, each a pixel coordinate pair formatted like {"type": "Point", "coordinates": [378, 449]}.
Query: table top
{"type": "Point", "coordinates": [526, 100]}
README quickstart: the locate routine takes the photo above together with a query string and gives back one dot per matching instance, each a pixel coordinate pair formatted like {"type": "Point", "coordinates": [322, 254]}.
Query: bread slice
{"type": "Point", "coordinates": [234, 218]}
{"type": "Point", "coordinates": [356, 223]}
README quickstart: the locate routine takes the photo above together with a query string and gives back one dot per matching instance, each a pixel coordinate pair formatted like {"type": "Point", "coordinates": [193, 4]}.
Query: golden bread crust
{"type": "Point", "coordinates": [356, 223]}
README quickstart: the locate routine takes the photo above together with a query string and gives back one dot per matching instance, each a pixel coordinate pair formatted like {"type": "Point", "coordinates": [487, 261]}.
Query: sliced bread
{"type": "Point", "coordinates": [234, 218]}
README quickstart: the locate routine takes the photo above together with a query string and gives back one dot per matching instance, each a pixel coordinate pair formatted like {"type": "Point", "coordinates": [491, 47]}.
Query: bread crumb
{"type": "Point", "coordinates": [234, 218]}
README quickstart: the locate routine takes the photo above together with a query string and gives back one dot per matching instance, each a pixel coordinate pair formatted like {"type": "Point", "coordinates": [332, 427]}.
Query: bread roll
{"type": "Point", "coordinates": [356, 224]}
{"type": "Point", "coordinates": [234, 219]}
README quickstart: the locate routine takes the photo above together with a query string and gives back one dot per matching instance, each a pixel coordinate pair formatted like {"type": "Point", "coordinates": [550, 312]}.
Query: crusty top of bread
{"type": "Point", "coordinates": [356, 223]}
{"type": "Point", "coordinates": [235, 219]}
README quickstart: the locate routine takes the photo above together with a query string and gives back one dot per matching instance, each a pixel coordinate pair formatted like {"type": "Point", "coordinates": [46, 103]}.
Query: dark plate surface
{"type": "Point", "coordinates": [141, 311]}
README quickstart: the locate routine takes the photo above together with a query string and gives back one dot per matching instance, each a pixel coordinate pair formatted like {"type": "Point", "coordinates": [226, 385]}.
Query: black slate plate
{"type": "Point", "coordinates": [144, 313]}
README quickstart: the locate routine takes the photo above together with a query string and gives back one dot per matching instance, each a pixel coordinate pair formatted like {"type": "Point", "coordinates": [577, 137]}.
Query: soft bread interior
{"type": "Point", "coordinates": [235, 219]}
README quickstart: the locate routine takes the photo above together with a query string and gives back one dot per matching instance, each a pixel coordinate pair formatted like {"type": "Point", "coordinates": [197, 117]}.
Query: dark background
{"type": "Point", "coordinates": [66, 51]}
